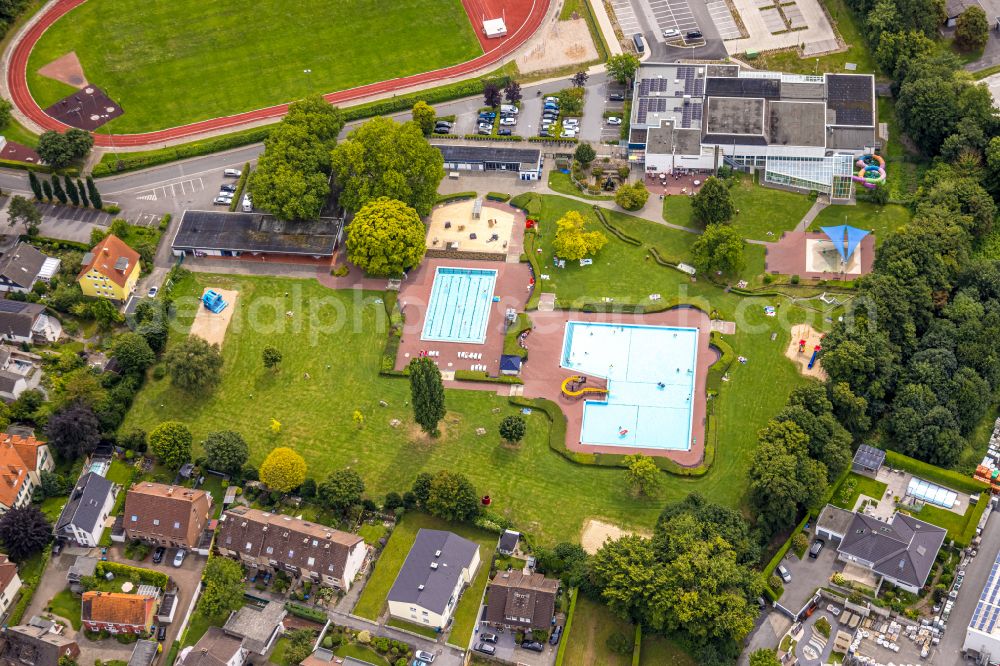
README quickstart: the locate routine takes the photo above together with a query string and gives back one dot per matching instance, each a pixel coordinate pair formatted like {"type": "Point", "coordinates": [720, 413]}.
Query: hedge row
{"type": "Point", "coordinates": [146, 576]}
{"type": "Point", "coordinates": [37, 168]}
{"type": "Point", "coordinates": [510, 343]}
{"type": "Point", "coordinates": [492, 137]}
{"type": "Point", "coordinates": [615, 231]}
{"type": "Point", "coordinates": [722, 365]}
{"type": "Point", "coordinates": [112, 164]}
{"type": "Point", "coordinates": [306, 612]}
{"type": "Point", "coordinates": [482, 376]}
{"type": "Point", "coordinates": [497, 196]}
{"type": "Point", "coordinates": [552, 139]}
{"type": "Point", "coordinates": [561, 654]}
{"type": "Point", "coordinates": [445, 198]}
{"type": "Point", "coordinates": [780, 555]}
{"type": "Point", "coordinates": [447, 93]}
{"type": "Point", "coordinates": [530, 238]}
{"type": "Point", "coordinates": [240, 185]}
{"type": "Point", "coordinates": [934, 474]}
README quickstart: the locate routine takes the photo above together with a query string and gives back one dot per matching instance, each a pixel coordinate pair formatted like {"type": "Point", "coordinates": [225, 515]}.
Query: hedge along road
{"type": "Point", "coordinates": [24, 43]}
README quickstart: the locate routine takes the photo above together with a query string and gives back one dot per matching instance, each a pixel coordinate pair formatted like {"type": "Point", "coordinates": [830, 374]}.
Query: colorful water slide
{"type": "Point", "coordinates": [575, 391]}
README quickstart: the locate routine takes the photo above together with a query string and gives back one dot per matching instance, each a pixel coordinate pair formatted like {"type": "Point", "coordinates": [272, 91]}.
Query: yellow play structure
{"type": "Point", "coordinates": [576, 391]}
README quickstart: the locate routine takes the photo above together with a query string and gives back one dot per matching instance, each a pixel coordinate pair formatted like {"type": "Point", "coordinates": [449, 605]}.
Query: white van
{"type": "Point", "coordinates": [247, 204]}
{"type": "Point", "coordinates": [508, 108]}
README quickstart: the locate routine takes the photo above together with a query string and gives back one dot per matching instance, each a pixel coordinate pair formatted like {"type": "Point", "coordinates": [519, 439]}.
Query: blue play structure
{"type": "Point", "coordinates": [213, 301]}
{"type": "Point", "coordinates": [845, 238]}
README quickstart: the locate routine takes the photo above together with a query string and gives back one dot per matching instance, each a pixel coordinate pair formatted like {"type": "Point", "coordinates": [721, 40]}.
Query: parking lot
{"type": "Point", "coordinates": [673, 15]}
{"type": "Point", "coordinates": [509, 651]}
{"type": "Point", "coordinates": [807, 575]}
{"type": "Point", "coordinates": [625, 14]}
{"type": "Point", "coordinates": [723, 19]}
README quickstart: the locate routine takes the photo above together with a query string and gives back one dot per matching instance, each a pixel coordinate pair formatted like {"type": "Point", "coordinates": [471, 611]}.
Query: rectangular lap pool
{"type": "Point", "coordinates": [459, 307]}
{"type": "Point", "coordinates": [650, 372]}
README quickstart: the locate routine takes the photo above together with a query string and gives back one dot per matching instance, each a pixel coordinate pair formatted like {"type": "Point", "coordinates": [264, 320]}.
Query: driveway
{"type": "Point", "coordinates": [807, 575]}
{"type": "Point", "coordinates": [52, 581]}
{"type": "Point", "coordinates": [509, 651]}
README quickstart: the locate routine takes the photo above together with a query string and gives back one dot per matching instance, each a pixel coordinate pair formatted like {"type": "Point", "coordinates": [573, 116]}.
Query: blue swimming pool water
{"type": "Point", "coordinates": [459, 307]}
{"type": "Point", "coordinates": [636, 361]}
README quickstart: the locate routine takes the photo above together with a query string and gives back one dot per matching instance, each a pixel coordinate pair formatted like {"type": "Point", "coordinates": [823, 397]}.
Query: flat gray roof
{"type": "Point", "coordinates": [796, 123]}
{"type": "Point", "coordinates": [735, 115]}
{"type": "Point", "coordinates": [254, 232]}
{"type": "Point", "coordinates": [453, 153]}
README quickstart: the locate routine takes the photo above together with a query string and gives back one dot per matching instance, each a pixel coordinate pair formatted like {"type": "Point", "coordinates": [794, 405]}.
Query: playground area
{"type": "Point", "coordinates": [470, 225]}
{"type": "Point", "coordinates": [823, 257]}
{"type": "Point", "coordinates": [211, 326]}
{"type": "Point", "coordinates": [814, 255]}
{"type": "Point", "coordinates": [803, 350]}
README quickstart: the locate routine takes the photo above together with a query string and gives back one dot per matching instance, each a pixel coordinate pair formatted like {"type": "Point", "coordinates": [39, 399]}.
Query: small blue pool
{"type": "Point", "coordinates": [650, 372]}
{"type": "Point", "coordinates": [459, 307]}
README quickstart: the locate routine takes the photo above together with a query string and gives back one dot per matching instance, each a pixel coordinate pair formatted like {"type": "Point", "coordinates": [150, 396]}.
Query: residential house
{"type": "Point", "coordinates": [268, 540]}
{"type": "Point", "coordinates": [508, 542]}
{"type": "Point", "coordinates": [522, 601]}
{"type": "Point", "coordinates": [437, 568]}
{"type": "Point", "coordinates": [868, 460]}
{"type": "Point", "coordinates": [116, 612]}
{"type": "Point", "coordinates": [257, 627]}
{"type": "Point", "coordinates": [214, 648]}
{"type": "Point", "coordinates": [10, 584]}
{"type": "Point", "coordinates": [83, 518]}
{"type": "Point", "coordinates": [901, 551]}
{"type": "Point", "coordinates": [23, 266]}
{"type": "Point", "coordinates": [22, 460]}
{"type": "Point", "coordinates": [19, 371]}
{"type": "Point", "coordinates": [25, 323]}
{"type": "Point", "coordinates": [166, 515]}
{"type": "Point", "coordinates": [40, 642]}
{"type": "Point", "coordinates": [111, 270]}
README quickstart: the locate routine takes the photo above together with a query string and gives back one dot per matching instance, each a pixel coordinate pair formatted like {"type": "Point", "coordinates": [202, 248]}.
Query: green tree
{"type": "Point", "coordinates": [584, 153]}
{"type": "Point", "coordinates": [71, 192]}
{"type": "Point", "coordinates": [897, 50]}
{"type": "Point", "coordinates": [79, 142]}
{"type": "Point", "coordinates": [572, 242]}
{"type": "Point", "coordinates": [73, 430]}
{"type": "Point", "coordinates": [513, 428]}
{"type": "Point", "coordinates": [512, 92]}
{"type": "Point", "coordinates": [226, 451]}
{"type": "Point", "coordinates": [622, 68]}
{"type": "Point", "coordinates": [54, 149]}
{"type": "Point", "coordinates": [452, 497]}
{"type": "Point", "coordinates": [283, 470]}
{"type": "Point", "coordinates": [632, 197]}
{"type": "Point", "coordinates": [171, 443]}
{"type": "Point", "coordinates": [223, 591]}
{"type": "Point", "coordinates": [491, 94]}
{"type": "Point", "coordinates": [81, 190]}
{"type": "Point", "coordinates": [713, 204]}
{"type": "Point", "coordinates": [36, 186]}
{"type": "Point", "coordinates": [427, 394]}
{"type": "Point", "coordinates": [783, 478]}
{"type": "Point", "coordinates": [24, 531]}
{"type": "Point", "coordinates": [300, 646]}
{"type": "Point", "coordinates": [341, 490]}
{"type": "Point", "coordinates": [93, 194]}
{"type": "Point", "coordinates": [133, 352]}
{"type": "Point", "coordinates": [719, 248]}
{"type": "Point", "coordinates": [424, 116]}
{"type": "Point", "coordinates": [764, 657]}
{"type": "Point", "coordinates": [24, 212]}
{"type": "Point", "coordinates": [5, 113]}
{"type": "Point", "coordinates": [422, 488]}
{"type": "Point", "coordinates": [972, 30]}
{"type": "Point", "coordinates": [385, 159]}
{"type": "Point", "coordinates": [386, 238]}
{"type": "Point", "coordinates": [150, 321]}
{"type": "Point", "coordinates": [194, 364]}
{"type": "Point", "coordinates": [642, 474]}
{"type": "Point", "coordinates": [47, 190]}
{"type": "Point", "coordinates": [58, 191]}
{"type": "Point", "coordinates": [271, 357]}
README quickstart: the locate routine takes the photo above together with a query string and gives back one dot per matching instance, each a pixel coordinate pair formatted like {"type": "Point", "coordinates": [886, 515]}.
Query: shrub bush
{"type": "Point", "coordinates": [306, 612]}
{"type": "Point", "coordinates": [112, 209]}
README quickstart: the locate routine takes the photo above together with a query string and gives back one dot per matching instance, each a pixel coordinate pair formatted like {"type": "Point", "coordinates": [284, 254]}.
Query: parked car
{"type": "Point", "coordinates": [551, 105]}
{"type": "Point", "coordinates": [815, 548]}
{"type": "Point", "coordinates": [425, 656]}
{"type": "Point", "coordinates": [221, 201]}
{"type": "Point", "coordinates": [417, 662]}
{"type": "Point", "coordinates": [484, 132]}
{"type": "Point", "coordinates": [488, 638]}
{"type": "Point", "coordinates": [232, 173]}
{"type": "Point", "coordinates": [247, 203]}
{"type": "Point", "coordinates": [443, 123]}
{"type": "Point", "coordinates": [486, 126]}
{"type": "Point", "coordinates": [152, 294]}
{"type": "Point", "coordinates": [614, 120]}
{"type": "Point", "coordinates": [556, 635]}
{"type": "Point", "coordinates": [534, 646]}
{"type": "Point", "coordinates": [567, 134]}
{"type": "Point", "coordinates": [551, 99]}
{"type": "Point", "coordinates": [228, 188]}
{"type": "Point", "coordinates": [486, 648]}
{"type": "Point", "coordinates": [508, 121]}
{"type": "Point", "coordinates": [161, 635]}
{"type": "Point", "coordinates": [693, 34]}
{"type": "Point", "coordinates": [508, 108]}
{"type": "Point", "coordinates": [158, 554]}
{"type": "Point", "coordinates": [504, 132]}
{"type": "Point", "coordinates": [442, 130]}
{"type": "Point", "coordinates": [179, 557]}
{"type": "Point", "coordinates": [671, 32]}
{"type": "Point", "coordinates": [545, 133]}
{"type": "Point", "coordinates": [488, 115]}
{"type": "Point", "coordinates": [616, 97]}
{"type": "Point", "coordinates": [783, 572]}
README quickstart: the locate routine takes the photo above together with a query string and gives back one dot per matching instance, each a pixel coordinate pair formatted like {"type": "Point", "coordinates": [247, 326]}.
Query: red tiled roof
{"type": "Point", "coordinates": [106, 254]}
{"type": "Point", "coordinates": [116, 608]}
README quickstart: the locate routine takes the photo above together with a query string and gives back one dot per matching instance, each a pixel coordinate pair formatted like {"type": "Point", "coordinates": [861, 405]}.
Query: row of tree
{"type": "Point", "coordinates": [65, 190]}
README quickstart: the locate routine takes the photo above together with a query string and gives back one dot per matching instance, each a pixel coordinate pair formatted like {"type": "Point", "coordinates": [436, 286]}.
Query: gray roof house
{"type": "Point", "coordinates": [22, 266]}
{"type": "Point", "coordinates": [439, 565]}
{"type": "Point", "coordinates": [868, 460]}
{"type": "Point", "coordinates": [27, 322]}
{"type": "Point", "coordinates": [833, 522]}
{"type": "Point", "coordinates": [257, 627]}
{"type": "Point", "coordinates": [214, 648]}
{"type": "Point", "coordinates": [82, 519]}
{"type": "Point", "coordinates": [901, 551]}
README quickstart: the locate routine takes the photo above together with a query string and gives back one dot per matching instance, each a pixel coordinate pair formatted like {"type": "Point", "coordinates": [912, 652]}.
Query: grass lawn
{"type": "Point", "coordinates": [278, 652]}
{"type": "Point", "coordinates": [883, 221]}
{"type": "Point", "coordinates": [661, 651]}
{"type": "Point", "coordinates": [52, 507]}
{"type": "Point", "coordinates": [905, 166]}
{"type": "Point", "coordinates": [561, 182]}
{"type": "Point", "coordinates": [593, 624]}
{"type": "Point", "coordinates": [854, 486]}
{"type": "Point", "coordinates": [66, 605]}
{"type": "Point", "coordinates": [761, 210]}
{"type": "Point", "coordinates": [372, 533]}
{"type": "Point", "coordinates": [415, 628]}
{"type": "Point", "coordinates": [119, 472]}
{"type": "Point", "coordinates": [360, 652]}
{"type": "Point", "coordinates": [200, 623]}
{"type": "Point", "coordinates": [187, 60]}
{"type": "Point", "coordinates": [857, 51]}
{"type": "Point", "coordinates": [213, 484]}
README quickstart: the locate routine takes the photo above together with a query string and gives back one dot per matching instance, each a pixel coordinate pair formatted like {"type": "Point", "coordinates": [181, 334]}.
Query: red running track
{"type": "Point", "coordinates": [17, 73]}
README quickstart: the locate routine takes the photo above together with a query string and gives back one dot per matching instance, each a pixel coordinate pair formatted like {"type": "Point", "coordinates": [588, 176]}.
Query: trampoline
{"type": "Point", "coordinates": [931, 493]}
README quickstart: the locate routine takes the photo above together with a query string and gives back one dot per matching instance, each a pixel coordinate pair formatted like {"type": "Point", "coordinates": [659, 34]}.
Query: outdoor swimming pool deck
{"type": "Point", "coordinates": [650, 373]}
{"type": "Point", "coordinates": [459, 305]}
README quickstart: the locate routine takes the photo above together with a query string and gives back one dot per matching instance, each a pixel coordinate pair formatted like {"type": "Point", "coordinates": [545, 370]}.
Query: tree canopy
{"type": "Point", "coordinates": [632, 196]}
{"type": "Point", "coordinates": [622, 67]}
{"type": "Point", "coordinates": [572, 241]}
{"type": "Point", "coordinates": [194, 364]}
{"type": "Point", "coordinates": [24, 531]}
{"type": "Point", "coordinates": [424, 116]}
{"type": "Point", "coordinates": [426, 394]}
{"type": "Point", "coordinates": [223, 591]}
{"type": "Point", "coordinates": [386, 238]}
{"type": "Point", "coordinates": [452, 496]}
{"type": "Point", "coordinates": [713, 204]}
{"type": "Point", "coordinates": [73, 431]}
{"type": "Point", "coordinates": [171, 443]}
{"type": "Point", "coordinates": [60, 150]}
{"type": "Point", "coordinates": [226, 451]}
{"type": "Point", "coordinates": [383, 158]}
{"type": "Point", "coordinates": [719, 248]}
{"type": "Point", "coordinates": [341, 490]}
{"type": "Point", "coordinates": [132, 352]}
{"type": "Point", "coordinates": [283, 470]}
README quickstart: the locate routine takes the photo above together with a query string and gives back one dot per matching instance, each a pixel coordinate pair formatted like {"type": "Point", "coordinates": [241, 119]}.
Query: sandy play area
{"type": "Point", "coordinates": [801, 359]}
{"type": "Point", "coordinates": [596, 532]}
{"type": "Point", "coordinates": [822, 257]}
{"type": "Point", "coordinates": [563, 43]}
{"type": "Point", "coordinates": [452, 226]}
{"type": "Point", "coordinates": [210, 326]}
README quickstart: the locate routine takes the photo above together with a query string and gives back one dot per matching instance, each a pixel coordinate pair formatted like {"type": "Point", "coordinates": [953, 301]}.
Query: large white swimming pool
{"type": "Point", "coordinates": [459, 307]}
{"type": "Point", "coordinates": [650, 372]}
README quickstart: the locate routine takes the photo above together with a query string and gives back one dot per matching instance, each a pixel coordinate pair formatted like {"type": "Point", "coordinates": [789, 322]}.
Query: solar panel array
{"type": "Point", "coordinates": [650, 105]}
{"type": "Point", "coordinates": [988, 609]}
{"type": "Point", "coordinates": [10, 306]}
{"type": "Point", "coordinates": [691, 84]}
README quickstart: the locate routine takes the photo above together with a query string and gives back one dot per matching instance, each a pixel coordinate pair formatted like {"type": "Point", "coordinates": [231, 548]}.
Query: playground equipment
{"type": "Point", "coordinates": [571, 387]}
{"type": "Point", "coordinates": [213, 301]}
{"type": "Point", "coordinates": [802, 346]}
{"type": "Point", "coordinates": [812, 359]}
{"type": "Point", "coordinates": [871, 171]}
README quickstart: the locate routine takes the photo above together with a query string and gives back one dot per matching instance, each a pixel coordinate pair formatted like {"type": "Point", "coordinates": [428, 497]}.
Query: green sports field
{"type": "Point", "coordinates": [173, 63]}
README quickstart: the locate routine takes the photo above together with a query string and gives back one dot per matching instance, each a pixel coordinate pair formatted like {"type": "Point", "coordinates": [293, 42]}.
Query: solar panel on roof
{"type": "Point", "coordinates": [10, 306]}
